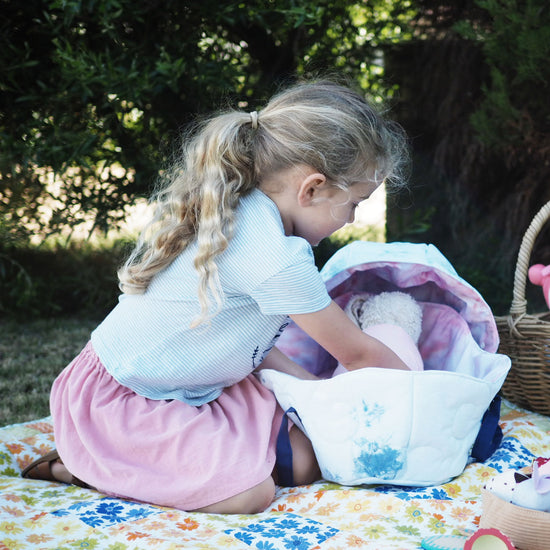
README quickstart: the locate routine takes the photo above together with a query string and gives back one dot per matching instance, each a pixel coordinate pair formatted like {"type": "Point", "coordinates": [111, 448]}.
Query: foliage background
{"type": "Point", "coordinates": [94, 92]}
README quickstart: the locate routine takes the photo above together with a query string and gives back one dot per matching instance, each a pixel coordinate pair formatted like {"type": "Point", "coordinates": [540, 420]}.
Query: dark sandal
{"type": "Point", "coordinates": [42, 469]}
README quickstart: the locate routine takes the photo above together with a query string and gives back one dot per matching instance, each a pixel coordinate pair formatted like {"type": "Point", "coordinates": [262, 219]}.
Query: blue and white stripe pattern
{"type": "Point", "coordinates": [146, 342]}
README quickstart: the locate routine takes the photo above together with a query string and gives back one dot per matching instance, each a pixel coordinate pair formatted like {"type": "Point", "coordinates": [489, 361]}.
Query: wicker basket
{"type": "Point", "coordinates": [524, 337]}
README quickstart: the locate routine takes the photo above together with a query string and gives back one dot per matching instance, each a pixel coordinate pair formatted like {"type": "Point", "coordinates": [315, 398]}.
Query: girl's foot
{"type": "Point", "coordinates": [50, 468]}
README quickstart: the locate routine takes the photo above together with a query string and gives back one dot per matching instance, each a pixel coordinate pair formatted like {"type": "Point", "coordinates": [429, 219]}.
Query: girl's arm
{"type": "Point", "coordinates": [332, 329]}
{"type": "Point", "coordinates": [277, 360]}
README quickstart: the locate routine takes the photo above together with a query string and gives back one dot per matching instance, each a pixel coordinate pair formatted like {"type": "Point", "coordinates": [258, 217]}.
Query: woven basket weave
{"type": "Point", "coordinates": [524, 337]}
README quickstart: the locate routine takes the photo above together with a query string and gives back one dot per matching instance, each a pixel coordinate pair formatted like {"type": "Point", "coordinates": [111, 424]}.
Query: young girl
{"type": "Point", "coordinates": [162, 405]}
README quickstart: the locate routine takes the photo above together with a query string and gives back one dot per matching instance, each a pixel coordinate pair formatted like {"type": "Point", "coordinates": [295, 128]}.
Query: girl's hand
{"type": "Point", "coordinates": [277, 360]}
{"type": "Point", "coordinates": [345, 341]}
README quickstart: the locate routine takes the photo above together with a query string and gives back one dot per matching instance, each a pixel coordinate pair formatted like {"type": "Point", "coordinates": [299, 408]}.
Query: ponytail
{"type": "Point", "coordinates": [215, 169]}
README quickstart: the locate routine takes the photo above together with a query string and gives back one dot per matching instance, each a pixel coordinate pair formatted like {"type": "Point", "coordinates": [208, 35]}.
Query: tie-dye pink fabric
{"type": "Point", "coordinates": [452, 308]}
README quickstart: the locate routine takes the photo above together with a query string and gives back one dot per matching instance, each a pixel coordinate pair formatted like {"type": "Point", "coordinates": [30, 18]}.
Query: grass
{"type": "Point", "coordinates": [32, 353]}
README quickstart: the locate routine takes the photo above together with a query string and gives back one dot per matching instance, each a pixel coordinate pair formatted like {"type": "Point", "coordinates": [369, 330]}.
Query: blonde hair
{"type": "Point", "coordinates": [319, 124]}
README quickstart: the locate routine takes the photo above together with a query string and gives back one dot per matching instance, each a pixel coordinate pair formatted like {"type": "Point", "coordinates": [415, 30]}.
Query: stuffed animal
{"type": "Point", "coordinates": [528, 491]}
{"type": "Point", "coordinates": [540, 275]}
{"type": "Point", "coordinates": [394, 318]}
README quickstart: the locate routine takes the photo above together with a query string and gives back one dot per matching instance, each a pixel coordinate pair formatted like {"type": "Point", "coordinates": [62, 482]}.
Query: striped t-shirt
{"type": "Point", "coordinates": [146, 342]}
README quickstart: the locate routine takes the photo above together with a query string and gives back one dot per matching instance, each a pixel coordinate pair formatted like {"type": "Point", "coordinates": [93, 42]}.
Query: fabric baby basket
{"type": "Point", "coordinates": [377, 425]}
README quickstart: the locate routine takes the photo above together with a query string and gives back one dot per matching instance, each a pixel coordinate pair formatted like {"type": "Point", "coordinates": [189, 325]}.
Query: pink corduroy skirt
{"type": "Point", "coordinates": [162, 452]}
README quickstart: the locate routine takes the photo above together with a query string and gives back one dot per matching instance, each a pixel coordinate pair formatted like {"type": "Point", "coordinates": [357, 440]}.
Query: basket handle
{"type": "Point", "coordinates": [519, 303]}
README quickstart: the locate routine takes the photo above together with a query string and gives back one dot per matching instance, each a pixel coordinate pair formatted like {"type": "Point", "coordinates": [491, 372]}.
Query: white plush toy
{"type": "Point", "coordinates": [527, 491]}
{"type": "Point", "coordinates": [394, 318]}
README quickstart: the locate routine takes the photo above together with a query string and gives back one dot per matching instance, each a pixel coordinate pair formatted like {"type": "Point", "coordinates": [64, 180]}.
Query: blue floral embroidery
{"type": "Point", "coordinates": [372, 414]}
{"type": "Point", "coordinates": [285, 532]}
{"type": "Point", "coordinates": [378, 461]}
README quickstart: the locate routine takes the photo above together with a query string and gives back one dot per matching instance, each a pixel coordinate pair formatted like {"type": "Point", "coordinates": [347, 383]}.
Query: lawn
{"type": "Point", "coordinates": [32, 353]}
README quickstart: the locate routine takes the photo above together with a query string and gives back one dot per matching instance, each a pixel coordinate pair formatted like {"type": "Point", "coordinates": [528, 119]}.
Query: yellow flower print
{"type": "Point", "coordinates": [390, 506]}
{"type": "Point", "coordinates": [414, 513]}
{"type": "Point", "coordinates": [522, 434]}
{"type": "Point", "coordinates": [441, 504]}
{"type": "Point", "coordinates": [171, 516]}
{"type": "Point", "coordinates": [42, 449]}
{"type": "Point", "coordinates": [228, 541]}
{"type": "Point", "coordinates": [295, 498]}
{"type": "Point", "coordinates": [66, 527]}
{"type": "Point", "coordinates": [376, 531]}
{"type": "Point", "coordinates": [354, 541]}
{"type": "Point", "coordinates": [437, 523]}
{"type": "Point", "coordinates": [16, 512]}
{"type": "Point", "coordinates": [370, 517]}
{"type": "Point", "coordinates": [12, 544]}
{"type": "Point", "coordinates": [24, 460]}
{"type": "Point", "coordinates": [38, 538]}
{"type": "Point", "coordinates": [453, 489]}
{"type": "Point", "coordinates": [343, 494]}
{"type": "Point", "coordinates": [31, 440]}
{"type": "Point", "coordinates": [356, 507]}
{"type": "Point", "coordinates": [15, 448]}
{"type": "Point", "coordinates": [328, 509]}
{"type": "Point", "coordinates": [42, 427]}
{"type": "Point", "coordinates": [155, 525]}
{"type": "Point", "coordinates": [10, 528]}
{"type": "Point", "coordinates": [462, 513]}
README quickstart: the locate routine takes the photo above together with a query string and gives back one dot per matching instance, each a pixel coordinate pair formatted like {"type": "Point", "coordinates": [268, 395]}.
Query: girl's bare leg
{"type": "Point", "coordinates": [258, 498]}
{"type": "Point", "coordinates": [252, 501]}
{"type": "Point", "coordinates": [304, 463]}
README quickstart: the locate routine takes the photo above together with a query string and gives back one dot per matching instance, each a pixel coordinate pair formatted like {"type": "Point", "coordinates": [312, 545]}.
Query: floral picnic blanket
{"type": "Point", "coordinates": [322, 516]}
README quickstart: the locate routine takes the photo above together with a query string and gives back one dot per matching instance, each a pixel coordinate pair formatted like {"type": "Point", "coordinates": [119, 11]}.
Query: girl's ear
{"type": "Point", "coordinates": [310, 187]}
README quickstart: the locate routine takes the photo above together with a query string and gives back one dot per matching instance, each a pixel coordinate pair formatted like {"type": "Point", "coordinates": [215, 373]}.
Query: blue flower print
{"type": "Point", "coordinates": [288, 524]}
{"type": "Point", "coordinates": [256, 528]}
{"type": "Point", "coordinates": [323, 536]}
{"type": "Point", "coordinates": [247, 538]}
{"type": "Point", "coordinates": [286, 532]}
{"type": "Point", "coordinates": [297, 543]}
{"type": "Point", "coordinates": [138, 513]}
{"type": "Point", "coordinates": [92, 519]}
{"type": "Point", "coordinates": [113, 511]}
{"type": "Point", "coordinates": [275, 533]}
{"type": "Point", "coordinates": [440, 494]}
{"type": "Point", "coordinates": [308, 529]}
{"type": "Point", "coordinates": [80, 504]}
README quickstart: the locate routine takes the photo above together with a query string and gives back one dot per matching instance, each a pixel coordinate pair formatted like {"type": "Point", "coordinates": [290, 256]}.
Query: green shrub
{"type": "Point", "coordinates": [45, 282]}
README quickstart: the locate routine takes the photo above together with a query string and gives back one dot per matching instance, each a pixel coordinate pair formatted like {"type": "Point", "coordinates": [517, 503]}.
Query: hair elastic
{"type": "Point", "coordinates": [254, 119]}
